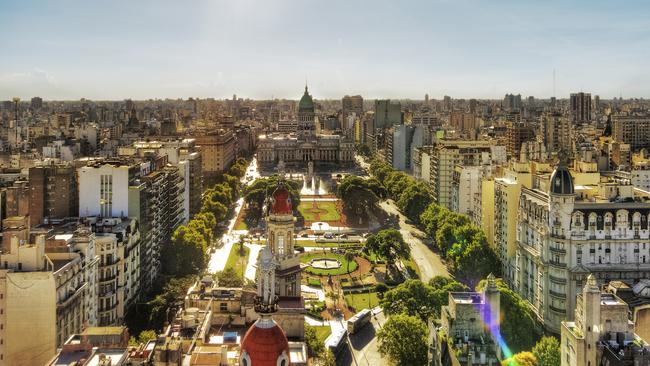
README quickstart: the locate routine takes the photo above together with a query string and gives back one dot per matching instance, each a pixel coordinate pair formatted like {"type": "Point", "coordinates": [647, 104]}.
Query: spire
{"type": "Point", "coordinates": [592, 285]}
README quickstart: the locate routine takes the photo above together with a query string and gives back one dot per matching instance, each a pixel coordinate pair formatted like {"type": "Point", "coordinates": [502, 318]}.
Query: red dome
{"type": "Point", "coordinates": [281, 203]}
{"type": "Point", "coordinates": [265, 344]}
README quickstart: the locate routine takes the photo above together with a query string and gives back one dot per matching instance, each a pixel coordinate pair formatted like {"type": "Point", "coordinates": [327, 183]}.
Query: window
{"type": "Point", "coordinates": [223, 306]}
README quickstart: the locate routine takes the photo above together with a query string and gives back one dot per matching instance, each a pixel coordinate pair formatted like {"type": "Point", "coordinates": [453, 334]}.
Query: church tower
{"type": "Point", "coordinates": [280, 227]}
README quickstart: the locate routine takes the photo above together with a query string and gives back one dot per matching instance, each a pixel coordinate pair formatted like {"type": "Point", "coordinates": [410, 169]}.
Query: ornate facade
{"type": "Point", "coordinates": [565, 232]}
{"type": "Point", "coordinates": [305, 143]}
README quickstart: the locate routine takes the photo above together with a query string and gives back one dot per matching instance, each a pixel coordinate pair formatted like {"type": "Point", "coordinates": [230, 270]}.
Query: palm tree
{"type": "Point", "coordinates": [349, 257]}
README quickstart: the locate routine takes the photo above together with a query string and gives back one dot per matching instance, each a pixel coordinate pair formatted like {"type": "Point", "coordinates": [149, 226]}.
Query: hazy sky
{"type": "Point", "coordinates": [264, 48]}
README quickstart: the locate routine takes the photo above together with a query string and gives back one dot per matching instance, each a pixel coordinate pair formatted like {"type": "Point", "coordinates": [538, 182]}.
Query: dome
{"type": "Point", "coordinates": [265, 344]}
{"type": "Point", "coordinates": [561, 180]}
{"type": "Point", "coordinates": [281, 202]}
{"type": "Point", "coordinates": [306, 104]}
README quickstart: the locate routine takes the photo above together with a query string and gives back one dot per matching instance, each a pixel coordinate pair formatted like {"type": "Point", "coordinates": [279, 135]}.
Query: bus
{"type": "Point", "coordinates": [337, 341]}
{"type": "Point", "coordinates": [359, 320]}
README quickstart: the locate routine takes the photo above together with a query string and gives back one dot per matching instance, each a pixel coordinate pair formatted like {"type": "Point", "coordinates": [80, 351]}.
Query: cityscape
{"type": "Point", "coordinates": [190, 185]}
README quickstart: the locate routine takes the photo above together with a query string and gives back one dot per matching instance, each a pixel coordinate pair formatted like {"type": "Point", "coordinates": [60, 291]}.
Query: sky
{"type": "Point", "coordinates": [72, 49]}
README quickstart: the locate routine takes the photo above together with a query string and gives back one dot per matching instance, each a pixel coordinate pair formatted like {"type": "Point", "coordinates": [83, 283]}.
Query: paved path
{"type": "Point", "coordinates": [429, 261]}
{"type": "Point", "coordinates": [251, 267]}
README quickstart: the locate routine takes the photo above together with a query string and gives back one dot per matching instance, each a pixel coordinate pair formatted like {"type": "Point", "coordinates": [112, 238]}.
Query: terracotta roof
{"type": "Point", "coordinates": [281, 204]}
{"type": "Point", "coordinates": [264, 343]}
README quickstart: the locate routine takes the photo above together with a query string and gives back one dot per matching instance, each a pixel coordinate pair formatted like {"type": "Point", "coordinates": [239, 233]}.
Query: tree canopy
{"type": "Point", "coordinates": [388, 244]}
{"type": "Point", "coordinates": [520, 359]}
{"type": "Point", "coordinates": [357, 195]}
{"type": "Point", "coordinates": [403, 339]}
{"type": "Point", "coordinates": [547, 351]}
{"type": "Point", "coordinates": [412, 297]}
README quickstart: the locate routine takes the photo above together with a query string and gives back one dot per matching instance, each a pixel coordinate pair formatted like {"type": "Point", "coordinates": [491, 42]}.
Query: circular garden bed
{"type": "Point", "coordinates": [344, 267]}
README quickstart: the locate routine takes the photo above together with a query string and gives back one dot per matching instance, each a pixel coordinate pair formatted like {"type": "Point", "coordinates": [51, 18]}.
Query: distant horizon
{"type": "Point", "coordinates": [523, 98]}
{"type": "Point", "coordinates": [264, 50]}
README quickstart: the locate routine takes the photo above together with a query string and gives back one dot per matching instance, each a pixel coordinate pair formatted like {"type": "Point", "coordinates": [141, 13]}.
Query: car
{"type": "Point", "coordinates": [343, 236]}
{"type": "Point", "coordinates": [304, 235]}
{"type": "Point", "coordinates": [328, 236]}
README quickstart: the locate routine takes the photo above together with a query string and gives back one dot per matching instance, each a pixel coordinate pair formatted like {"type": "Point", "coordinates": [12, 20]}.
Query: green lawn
{"type": "Point", "coordinates": [306, 258]}
{"type": "Point", "coordinates": [322, 332]}
{"type": "Point", "coordinates": [360, 301]}
{"type": "Point", "coordinates": [324, 211]}
{"type": "Point", "coordinates": [313, 243]}
{"type": "Point", "coordinates": [237, 262]}
{"type": "Point", "coordinates": [241, 225]}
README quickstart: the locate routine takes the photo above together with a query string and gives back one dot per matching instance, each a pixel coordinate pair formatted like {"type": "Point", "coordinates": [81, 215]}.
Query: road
{"type": "Point", "coordinates": [429, 262]}
{"type": "Point", "coordinates": [364, 346]}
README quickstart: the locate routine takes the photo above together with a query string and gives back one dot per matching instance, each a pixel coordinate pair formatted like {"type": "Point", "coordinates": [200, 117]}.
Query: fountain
{"type": "Point", "coordinates": [325, 263]}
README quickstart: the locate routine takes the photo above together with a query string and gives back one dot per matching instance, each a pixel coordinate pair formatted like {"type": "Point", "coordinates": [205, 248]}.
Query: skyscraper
{"type": "Point", "coordinates": [580, 107]}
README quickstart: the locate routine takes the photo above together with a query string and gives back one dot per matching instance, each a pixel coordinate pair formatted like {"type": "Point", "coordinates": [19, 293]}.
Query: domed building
{"type": "Point", "coordinates": [306, 143]}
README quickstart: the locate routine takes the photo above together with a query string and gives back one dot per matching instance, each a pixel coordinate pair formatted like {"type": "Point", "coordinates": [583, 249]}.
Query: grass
{"type": "Point", "coordinates": [322, 332]}
{"type": "Point", "coordinates": [314, 282]}
{"type": "Point", "coordinates": [412, 267]}
{"type": "Point", "coordinates": [240, 225]}
{"type": "Point", "coordinates": [319, 211]}
{"type": "Point", "coordinates": [360, 301]}
{"type": "Point", "coordinates": [236, 261]}
{"type": "Point", "coordinates": [312, 243]}
{"type": "Point", "coordinates": [306, 258]}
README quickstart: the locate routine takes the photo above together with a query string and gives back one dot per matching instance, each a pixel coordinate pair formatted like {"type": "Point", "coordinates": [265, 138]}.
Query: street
{"type": "Point", "coordinates": [429, 262]}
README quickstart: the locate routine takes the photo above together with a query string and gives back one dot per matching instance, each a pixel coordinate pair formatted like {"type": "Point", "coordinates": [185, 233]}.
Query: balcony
{"type": "Point", "coordinates": [557, 250]}
{"type": "Point", "coordinates": [557, 264]}
{"type": "Point", "coordinates": [557, 294]}
{"type": "Point", "coordinates": [557, 279]}
{"type": "Point", "coordinates": [557, 310]}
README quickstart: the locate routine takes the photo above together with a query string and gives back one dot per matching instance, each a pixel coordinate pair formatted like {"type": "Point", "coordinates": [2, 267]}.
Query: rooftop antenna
{"type": "Point", "coordinates": [553, 83]}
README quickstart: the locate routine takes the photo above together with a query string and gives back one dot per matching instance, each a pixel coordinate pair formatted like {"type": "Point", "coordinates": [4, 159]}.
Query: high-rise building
{"type": "Point", "coordinates": [516, 134]}
{"type": "Point", "coordinates": [217, 152]}
{"type": "Point", "coordinates": [352, 104]}
{"type": "Point", "coordinates": [53, 192]}
{"type": "Point", "coordinates": [556, 132]}
{"type": "Point", "coordinates": [36, 103]}
{"type": "Point", "coordinates": [387, 113]}
{"type": "Point", "coordinates": [632, 129]}
{"type": "Point", "coordinates": [463, 121]}
{"type": "Point", "coordinates": [512, 102]}
{"type": "Point", "coordinates": [580, 107]}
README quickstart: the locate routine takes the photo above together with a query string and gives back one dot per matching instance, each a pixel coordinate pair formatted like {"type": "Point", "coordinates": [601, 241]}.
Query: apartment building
{"type": "Point", "coordinates": [218, 152]}
{"type": "Point", "coordinates": [632, 129]}
{"type": "Point", "coordinates": [569, 228]}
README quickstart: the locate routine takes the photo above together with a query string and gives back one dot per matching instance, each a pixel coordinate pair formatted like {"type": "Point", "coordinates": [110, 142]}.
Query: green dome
{"type": "Point", "coordinates": [306, 103]}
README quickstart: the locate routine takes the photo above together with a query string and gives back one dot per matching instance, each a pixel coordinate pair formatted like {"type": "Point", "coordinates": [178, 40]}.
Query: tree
{"type": "Point", "coordinates": [144, 337]}
{"type": "Point", "coordinates": [547, 352]}
{"type": "Point", "coordinates": [441, 287]}
{"type": "Point", "coordinates": [470, 257]}
{"type": "Point", "coordinates": [518, 327]}
{"type": "Point", "coordinates": [403, 339]}
{"type": "Point", "coordinates": [381, 289]}
{"type": "Point", "coordinates": [355, 194]}
{"type": "Point", "coordinates": [521, 359]}
{"type": "Point", "coordinates": [315, 345]}
{"type": "Point", "coordinates": [327, 359]}
{"type": "Point", "coordinates": [229, 278]}
{"type": "Point", "coordinates": [388, 244]}
{"type": "Point", "coordinates": [412, 297]}
{"type": "Point", "coordinates": [186, 252]}
{"type": "Point", "coordinates": [396, 183]}
{"type": "Point", "coordinates": [380, 170]}
{"type": "Point", "coordinates": [414, 200]}
{"type": "Point", "coordinates": [349, 257]}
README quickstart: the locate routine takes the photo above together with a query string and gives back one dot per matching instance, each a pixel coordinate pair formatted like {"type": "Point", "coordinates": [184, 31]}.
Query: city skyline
{"type": "Point", "coordinates": [259, 50]}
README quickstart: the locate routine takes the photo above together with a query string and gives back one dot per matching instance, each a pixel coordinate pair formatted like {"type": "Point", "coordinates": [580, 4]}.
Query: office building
{"type": "Point", "coordinates": [632, 129]}
{"type": "Point", "coordinates": [387, 113]}
{"type": "Point", "coordinates": [580, 107]}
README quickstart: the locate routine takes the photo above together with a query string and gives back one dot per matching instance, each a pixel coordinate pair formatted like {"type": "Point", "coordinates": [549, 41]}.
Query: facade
{"type": "Point", "coordinates": [580, 107]}
{"type": "Point", "coordinates": [601, 333]}
{"type": "Point", "coordinates": [447, 154]}
{"type": "Point", "coordinates": [28, 298]}
{"type": "Point", "coordinates": [53, 192]}
{"type": "Point", "coordinates": [217, 152]}
{"type": "Point", "coordinates": [556, 132]}
{"type": "Point", "coordinates": [117, 243]}
{"type": "Point", "coordinates": [387, 113]}
{"type": "Point", "coordinates": [632, 129]}
{"type": "Point", "coordinates": [352, 104]}
{"type": "Point", "coordinates": [518, 132]}
{"type": "Point", "coordinates": [305, 143]}
{"type": "Point", "coordinates": [463, 121]}
{"type": "Point", "coordinates": [566, 231]}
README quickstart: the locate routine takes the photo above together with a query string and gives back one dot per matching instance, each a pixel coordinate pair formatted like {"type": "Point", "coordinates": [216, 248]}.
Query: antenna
{"type": "Point", "coordinates": [553, 82]}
